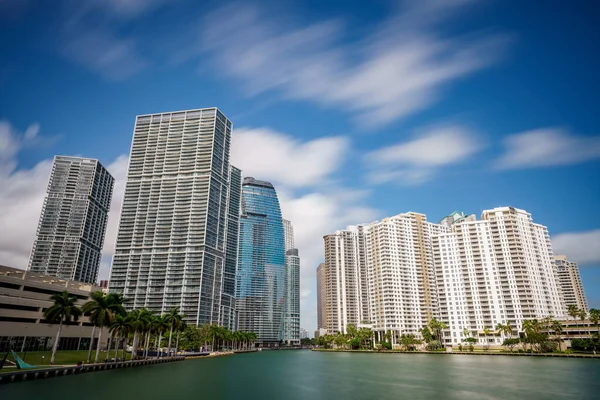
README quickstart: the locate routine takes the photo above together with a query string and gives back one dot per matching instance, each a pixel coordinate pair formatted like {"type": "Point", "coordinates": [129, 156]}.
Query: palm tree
{"type": "Point", "coordinates": [102, 309]}
{"type": "Point", "coordinates": [573, 311]}
{"type": "Point", "coordinates": [486, 332]}
{"type": "Point", "coordinates": [558, 330]}
{"type": "Point", "coordinates": [582, 314]}
{"type": "Point", "coordinates": [182, 325]}
{"type": "Point", "coordinates": [173, 319]}
{"type": "Point", "coordinates": [137, 319]}
{"type": "Point", "coordinates": [120, 327]}
{"type": "Point", "coordinates": [63, 309]}
{"type": "Point", "coordinates": [595, 318]}
{"type": "Point", "coordinates": [159, 325]}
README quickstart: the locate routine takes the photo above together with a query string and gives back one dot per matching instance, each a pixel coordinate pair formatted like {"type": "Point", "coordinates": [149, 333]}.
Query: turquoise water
{"type": "Point", "coordinates": [314, 375]}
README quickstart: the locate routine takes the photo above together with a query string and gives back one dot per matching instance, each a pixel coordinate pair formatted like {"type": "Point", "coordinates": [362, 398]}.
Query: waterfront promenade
{"type": "Point", "coordinates": [465, 353]}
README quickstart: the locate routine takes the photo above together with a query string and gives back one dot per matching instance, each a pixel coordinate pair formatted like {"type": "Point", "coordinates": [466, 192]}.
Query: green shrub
{"type": "Point", "coordinates": [471, 348]}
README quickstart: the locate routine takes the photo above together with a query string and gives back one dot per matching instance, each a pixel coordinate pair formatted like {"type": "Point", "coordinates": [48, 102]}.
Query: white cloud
{"type": "Point", "coordinates": [270, 155]}
{"type": "Point", "coordinates": [417, 160]}
{"type": "Point", "coordinates": [581, 247]}
{"type": "Point", "coordinates": [396, 71]}
{"type": "Point", "coordinates": [547, 147]}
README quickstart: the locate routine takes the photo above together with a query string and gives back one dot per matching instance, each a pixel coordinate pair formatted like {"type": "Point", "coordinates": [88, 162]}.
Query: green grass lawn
{"type": "Point", "coordinates": [64, 357]}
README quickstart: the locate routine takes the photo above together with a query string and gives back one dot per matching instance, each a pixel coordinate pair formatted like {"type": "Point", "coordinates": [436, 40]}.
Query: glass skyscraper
{"type": "Point", "coordinates": [172, 243]}
{"type": "Point", "coordinates": [260, 281]}
{"type": "Point", "coordinates": [72, 226]}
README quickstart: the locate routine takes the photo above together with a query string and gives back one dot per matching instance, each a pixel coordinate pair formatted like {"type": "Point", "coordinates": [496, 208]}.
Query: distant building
{"type": "Point", "coordinates": [72, 225]}
{"type": "Point", "coordinates": [288, 231]}
{"type": "Point", "coordinates": [344, 277]}
{"type": "Point", "coordinates": [320, 332]}
{"type": "Point", "coordinates": [321, 296]}
{"type": "Point", "coordinates": [103, 284]}
{"type": "Point", "coordinates": [303, 334]}
{"type": "Point", "coordinates": [261, 273]}
{"type": "Point", "coordinates": [24, 296]}
{"type": "Point", "coordinates": [570, 283]}
{"type": "Point", "coordinates": [291, 313]}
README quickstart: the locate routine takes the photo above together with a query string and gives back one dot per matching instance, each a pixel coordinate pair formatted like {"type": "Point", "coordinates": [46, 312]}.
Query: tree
{"type": "Point", "coordinates": [137, 319]}
{"type": "Point", "coordinates": [409, 342]}
{"type": "Point", "coordinates": [510, 343]}
{"type": "Point", "coordinates": [557, 328]}
{"type": "Point", "coordinates": [582, 314]}
{"type": "Point", "coordinates": [437, 328]}
{"type": "Point", "coordinates": [173, 318]}
{"type": "Point", "coordinates": [120, 327]}
{"type": "Point", "coordinates": [426, 334]}
{"type": "Point", "coordinates": [158, 325]}
{"type": "Point", "coordinates": [595, 318]}
{"type": "Point", "coordinates": [573, 311]}
{"type": "Point", "coordinates": [486, 332]}
{"type": "Point", "coordinates": [102, 309]}
{"type": "Point", "coordinates": [63, 309]}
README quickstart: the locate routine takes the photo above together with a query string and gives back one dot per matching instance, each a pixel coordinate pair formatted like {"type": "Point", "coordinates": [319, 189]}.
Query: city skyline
{"type": "Point", "coordinates": [345, 116]}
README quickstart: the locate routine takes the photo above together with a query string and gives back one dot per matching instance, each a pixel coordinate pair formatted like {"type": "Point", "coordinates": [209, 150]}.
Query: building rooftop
{"type": "Point", "coordinates": [255, 182]}
{"type": "Point", "coordinates": [46, 279]}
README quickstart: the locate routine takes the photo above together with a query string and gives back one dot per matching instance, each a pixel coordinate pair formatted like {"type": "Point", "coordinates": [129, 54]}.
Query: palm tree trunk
{"type": "Point", "coordinates": [158, 346]}
{"type": "Point", "coordinates": [55, 345]}
{"type": "Point", "coordinates": [91, 344]}
{"type": "Point", "coordinates": [117, 349]}
{"type": "Point", "coordinates": [177, 343]}
{"type": "Point", "coordinates": [136, 339]}
{"type": "Point", "coordinates": [99, 347]}
{"type": "Point", "coordinates": [110, 343]}
{"type": "Point", "coordinates": [170, 336]}
{"type": "Point", "coordinates": [146, 345]}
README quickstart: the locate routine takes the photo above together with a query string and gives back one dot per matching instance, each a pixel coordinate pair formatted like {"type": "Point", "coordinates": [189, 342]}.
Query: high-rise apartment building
{"type": "Point", "coordinates": [291, 312]}
{"type": "Point", "coordinates": [171, 248]}
{"type": "Point", "coordinates": [72, 225]}
{"type": "Point", "coordinates": [321, 297]}
{"type": "Point", "coordinates": [260, 280]}
{"type": "Point", "coordinates": [401, 274]}
{"type": "Point", "coordinates": [288, 231]}
{"type": "Point", "coordinates": [492, 271]}
{"type": "Point", "coordinates": [345, 291]}
{"type": "Point", "coordinates": [570, 283]}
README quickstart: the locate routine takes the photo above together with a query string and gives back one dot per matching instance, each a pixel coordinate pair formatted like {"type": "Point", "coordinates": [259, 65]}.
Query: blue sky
{"type": "Point", "coordinates": [353, 110]}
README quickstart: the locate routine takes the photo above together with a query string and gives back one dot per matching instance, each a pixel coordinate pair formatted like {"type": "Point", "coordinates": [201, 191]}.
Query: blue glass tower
{"type": "Point", "coordinates": [260, 279]}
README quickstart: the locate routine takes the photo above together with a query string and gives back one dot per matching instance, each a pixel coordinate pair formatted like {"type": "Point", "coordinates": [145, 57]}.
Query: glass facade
{"type": "Point", "coordinates": [260, 280]}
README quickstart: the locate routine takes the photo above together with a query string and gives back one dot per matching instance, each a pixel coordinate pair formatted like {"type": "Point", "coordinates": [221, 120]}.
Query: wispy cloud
{"type": "Point", "coordinates": [420, 158]}
{"type": "Point", "coordinates": [395, 72]}
{"type": "Point", "coordinates": [547, 147]}
{"type": "Point", "coordinates": [92, 36]}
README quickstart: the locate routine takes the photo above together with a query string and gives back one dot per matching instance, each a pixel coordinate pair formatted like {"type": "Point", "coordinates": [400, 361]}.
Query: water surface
{"type": "Point", "coordinates": [314, 375]}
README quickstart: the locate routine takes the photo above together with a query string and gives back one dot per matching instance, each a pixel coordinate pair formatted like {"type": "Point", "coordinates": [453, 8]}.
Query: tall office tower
{"type": "Point", "coordinates": [570, 283]}
{"type": "Point", "coordinates": [171, 244]}
{"type": "Point", "coordinates": [260, 280]}
{"type": "Point", "coordinates": [291, 312]}
{"type": "Point", "coordinates": [495, 270]}
{"type": "Point", "coordinates": [228, 306]}
{"type": "Point", "coordinates": [346, 298]}
{"type": "Point", "coordinates": [288, 232]}
{"type": "Point", "coordinates": [72, 225]}
{"type": "Point", "coordinates": [321, 297]}
{"type": "Point", "coordinates": [402, 285]}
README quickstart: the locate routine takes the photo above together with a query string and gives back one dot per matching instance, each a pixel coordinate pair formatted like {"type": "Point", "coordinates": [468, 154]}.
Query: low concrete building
{"type": "Point", "coordinates": [24, 296]}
